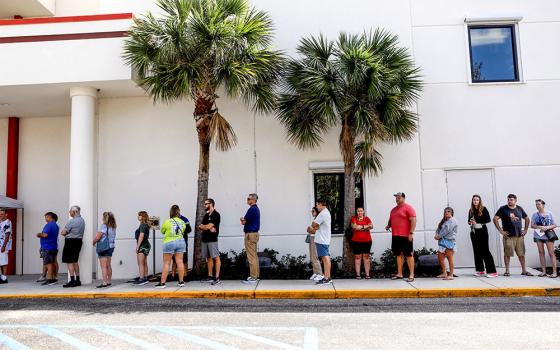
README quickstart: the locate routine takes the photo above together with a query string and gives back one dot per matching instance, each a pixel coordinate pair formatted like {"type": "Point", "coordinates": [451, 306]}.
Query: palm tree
{"type": "Point", "coordinates": [364, 84]}
{"type": "Point", "coordinates": [195, 49]}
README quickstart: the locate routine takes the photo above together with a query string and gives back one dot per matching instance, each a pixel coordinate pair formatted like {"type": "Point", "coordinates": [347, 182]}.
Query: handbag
{"type": "Point", "coordinates": [551, 235]}
{"type": "Point", "coordinates": [103, 244]}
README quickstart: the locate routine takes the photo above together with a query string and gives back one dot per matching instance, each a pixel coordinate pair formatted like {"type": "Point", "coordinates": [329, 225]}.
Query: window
{"type": "Point", "coordinates": [493, 53]}
{"type": "Point", "coordinates": [330, 186]}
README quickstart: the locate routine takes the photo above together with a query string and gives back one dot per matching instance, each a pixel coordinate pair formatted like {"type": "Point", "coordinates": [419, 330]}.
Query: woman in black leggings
{"type": "Point", "coordinates": [478, 218]}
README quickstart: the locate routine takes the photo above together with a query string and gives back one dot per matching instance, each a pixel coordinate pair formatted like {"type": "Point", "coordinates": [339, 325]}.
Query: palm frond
{"type": "Point", "coordinates": [368, 160]}
{"type": "Point", "coordinates": [221, 133]}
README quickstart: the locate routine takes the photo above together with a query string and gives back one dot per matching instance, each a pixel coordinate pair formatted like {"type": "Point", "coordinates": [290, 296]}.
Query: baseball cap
{"type": "Point", "coordinates": [401, 194]}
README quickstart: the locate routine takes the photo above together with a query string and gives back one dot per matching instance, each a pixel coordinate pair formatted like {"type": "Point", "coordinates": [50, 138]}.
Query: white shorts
{"type": "Point", "coordinates": [4, 258]}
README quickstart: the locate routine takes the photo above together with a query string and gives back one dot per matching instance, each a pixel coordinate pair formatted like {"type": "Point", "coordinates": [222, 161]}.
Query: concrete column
{"type": "Point", "coordinates": [83, 184]}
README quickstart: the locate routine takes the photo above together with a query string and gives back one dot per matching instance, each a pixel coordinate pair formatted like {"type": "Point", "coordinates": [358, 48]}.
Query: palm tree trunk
{"type": "Point", "coordinates": [203, 110]}
{"type": "Point", "coordinates": [347, 147]}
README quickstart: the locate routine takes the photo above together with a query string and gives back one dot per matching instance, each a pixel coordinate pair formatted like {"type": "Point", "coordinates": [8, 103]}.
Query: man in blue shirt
{"type": "Point", "coordinates": [251, 225]}
{"type": "Point", "coordinates": [49, 248]}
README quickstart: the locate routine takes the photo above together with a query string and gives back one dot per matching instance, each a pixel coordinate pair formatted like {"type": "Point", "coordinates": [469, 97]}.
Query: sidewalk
{"type": "Point", "coordinates": [466, 285]}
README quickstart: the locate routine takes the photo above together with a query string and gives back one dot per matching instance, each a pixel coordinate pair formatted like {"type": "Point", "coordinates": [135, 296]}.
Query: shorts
{"type": "Point", "coordinates": [174, 247]}
{"type": "Point", "coordinates": [401, 245]}
{"type": "Point", "coordinates": [4, 258]}
{"type": "Point", "coordinates": [360, 247]}
{"type": "Point", "coordinates": [144, 248]}
{"type": "Point", "coordinates": [322, 250]}
{"type": "Point", "coordinates": [106, 253]}
{"type": "Point", "coordinates": [71, 251]}
{"type": "Point", "coordinates": [516, 244]}
{"type": "Point", "coordinates": [210, 250]}
{"type": "Point", "coordinates": [49, 256]}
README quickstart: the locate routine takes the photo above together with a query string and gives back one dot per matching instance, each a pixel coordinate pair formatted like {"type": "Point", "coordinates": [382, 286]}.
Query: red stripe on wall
{"type": "Point", "coordinates": [12, 185]}
{"type": "Point", "coordinates": [45, 20]}
{"type": "Point", "coordinates": [60, 37]}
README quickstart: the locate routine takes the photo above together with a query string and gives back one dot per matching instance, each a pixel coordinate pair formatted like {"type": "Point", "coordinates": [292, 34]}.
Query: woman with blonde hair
{"type": "Point", "coordinates": [104, 243]}
{"type": "Point", "coordinates": [143, 247]}
{"type": "Point", "coordinates": [478, 218]}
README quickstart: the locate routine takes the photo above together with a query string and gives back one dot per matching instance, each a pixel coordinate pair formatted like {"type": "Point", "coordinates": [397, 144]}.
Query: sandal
{"type": "Point", "coordinates": [368, 278]}
{"type": "Point", "coordinates": [542, 274]}
{"type": "Point", "coordinates": [410, 279]}
{"type": "Point", "coordinates": [358, 277]}
{"type": "Point", "coordinates": [507, 274]}
{"type": "Point", "coordinates": [553, 276]}
{"type": "Point", "coordinates": [441, 276]}
{"type": "Point", "coordinates": [395, 277]}
{"type": "Point", "coordinates": [448, 278]}
{"type": "Point", "coordinates": [526, 273]}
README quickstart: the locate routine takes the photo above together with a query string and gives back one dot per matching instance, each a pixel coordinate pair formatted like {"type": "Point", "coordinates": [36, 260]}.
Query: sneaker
{"type": "Point", "coordinates": [103, 286]}
{"type": "Point", "coordinates": [3, 281]}
{"type": "Point", "coordinates": [208, 279]}
{"type": "Point", "coordinates": [216, 281]}
{"type": "Point", "coordinates": [324, 281]}
{"type": "Point", "coordinates": [134, 280]}
{"type": "Point", "coordinates": [140, 282]}
{"type": "Point", "coordinates": [181, 284]}
{"type": "Point", "coordinates": [70, 284]}
{"type": "Point", "coordinates": [479, 274]}
{"type": "Point", "coordinates": [160, 285]}
{"type": "Point", "coordinates": [250, 280]}
{"type": "Point", "coordinates": [48, 283]}
{"type": "Point", "coordinates": [492, 275]}
{"type": "Point", "coordinates": [318, 278]}
{"type": "Point", "coordinates": [313, 277]}
{"type": "Point", "coordinates": [41, 279]}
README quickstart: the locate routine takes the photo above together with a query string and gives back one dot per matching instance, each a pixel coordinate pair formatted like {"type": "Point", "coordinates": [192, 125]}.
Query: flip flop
{"type": "Point", "coordinates": [507, 274]}
{"type": "Point", "coordinates": [526, 273]}
{"type": "Point", "coordinates": [395, 277]}
{"type": "Point", "coordinates": [410, 279]}
{"type": "Point", "coordinates": [542, 274]}
{"type": "Point", "coordinates": [358, 277]}
{"type": "Point", "coordinates": [368, 278]}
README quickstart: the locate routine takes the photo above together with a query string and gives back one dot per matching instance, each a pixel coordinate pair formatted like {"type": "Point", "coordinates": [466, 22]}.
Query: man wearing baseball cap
{"type": "Point", "coordinates": [402, 221]}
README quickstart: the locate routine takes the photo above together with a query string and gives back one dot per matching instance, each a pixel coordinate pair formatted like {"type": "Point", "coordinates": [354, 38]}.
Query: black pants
{"type": "Point", "coordinates": [482, 255]}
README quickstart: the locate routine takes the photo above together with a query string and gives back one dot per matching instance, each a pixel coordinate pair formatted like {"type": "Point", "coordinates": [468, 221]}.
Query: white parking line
{"type": "Point", "coordinates": [194, 338]}
{"type": "Point", "coordinates": [11, 343]}
{"type": "Point", "coordinates": [75, 342]}
{"type": "Point", "coordinates": [128, 338]}
{"type": "Point", "coordinates": [259, 339]}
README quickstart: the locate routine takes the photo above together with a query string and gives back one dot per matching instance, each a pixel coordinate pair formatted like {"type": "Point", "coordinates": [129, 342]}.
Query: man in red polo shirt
{"type": "Point", "coordinates": [403, 223]}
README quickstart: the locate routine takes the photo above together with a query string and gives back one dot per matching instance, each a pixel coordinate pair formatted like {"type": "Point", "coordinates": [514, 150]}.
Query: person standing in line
{"type": "Point", "coordinates": [173, 230]}
{"type": "Point", "coordinates": [73, 234]}
{"type": "Point", "coordinates": [543, 223]}
{"type": "Point", "coordinates": [513, 236]}
{"type": "Point", "coordinates": [402, 222]}
{"type": "Point", "coordinates": [5, 244]}
{"type": "Point", "coordinates": [321, 228]}
{"type": "Point", "coordinates": [361, 242]}
{"type": "Point", "coordinates": [49, 248]}
{"type": "Point", "coordinates": [315, 263]}
{"type": "Point", "coordinates": [210, 251]}
{"type": "Point", "coordinates": [251, 225]}
{"type": "Point", "coordinates": [188, 230]}
{"type": "Point", "coordinates": [143, 246]}
{"type": "Point", "coordinates": [106, 237]}
{"type": "Point", "coordinates": [446, 235]}
{"type": "Point", "coordinates": [478, 218]}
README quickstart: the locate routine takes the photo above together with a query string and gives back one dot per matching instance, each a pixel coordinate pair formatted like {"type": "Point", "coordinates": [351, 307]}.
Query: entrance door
{"type": "Point", "coordinates": [461, 185]}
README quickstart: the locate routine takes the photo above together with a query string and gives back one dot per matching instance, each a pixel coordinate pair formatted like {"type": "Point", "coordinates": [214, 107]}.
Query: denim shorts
{"type": "Point", "coordinates": [174, 247]}
{"type": "Point", "coordinates": [322, 249]}
{"type": "Point", "coordinates": [106, 253]}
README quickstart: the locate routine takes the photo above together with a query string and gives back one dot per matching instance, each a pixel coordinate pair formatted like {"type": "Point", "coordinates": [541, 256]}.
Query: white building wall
{"type": "Point", "coordinates": [148, 154]}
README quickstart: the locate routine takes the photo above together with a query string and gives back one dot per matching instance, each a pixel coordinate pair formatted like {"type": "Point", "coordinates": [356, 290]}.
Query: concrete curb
{"type": "Point", "coordinates": [303, 294]}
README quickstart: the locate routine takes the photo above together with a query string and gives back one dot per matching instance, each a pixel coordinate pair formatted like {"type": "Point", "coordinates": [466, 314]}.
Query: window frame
{"type": "Point", "coordinates": [513, 26]}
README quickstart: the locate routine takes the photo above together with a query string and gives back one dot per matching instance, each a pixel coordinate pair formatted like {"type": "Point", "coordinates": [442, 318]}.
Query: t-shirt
{"type": "Point", "coordinates": [145, 228]}
{"type": "Point", "coordinates": [173, 229]}
{"type": "Point", "coordinates": [253, 219]}
{"type": "Point", "coordinates": [542, 219]}
{"type": "Point", "coordinates": [50, 242]}
{"type": "Point", "coordinates": [361, 235]}
{"type": "Point", "coordinates": [214, 218]}
{"type": "Point", "coordinates": [400, 219]}
{"type": "Point", "coordinates": [511, 219]}
{"type": "Point", "coordinates": [323, 233]}
{"type": "Point", "coordinates": [109, 233]}
{"type": "Point", "coordinates": [6, 234]}
{"type": "Point", "coordinates": [75, 227]}
{"type": "Point", "coordinates": [448, 230]}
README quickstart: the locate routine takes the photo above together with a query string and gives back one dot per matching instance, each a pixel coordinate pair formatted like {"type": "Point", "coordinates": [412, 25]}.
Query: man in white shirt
{"type": "Point", "coordinates": [321, 227]}
{"type": "Point", "coordinates": [5, 244]}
